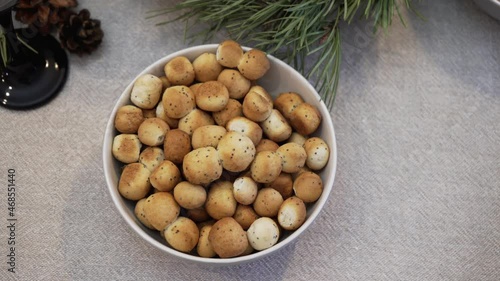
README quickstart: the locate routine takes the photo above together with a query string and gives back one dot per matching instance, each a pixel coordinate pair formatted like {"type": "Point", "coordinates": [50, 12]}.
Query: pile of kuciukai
{"type": "Point", "coordinates": [214, 164]}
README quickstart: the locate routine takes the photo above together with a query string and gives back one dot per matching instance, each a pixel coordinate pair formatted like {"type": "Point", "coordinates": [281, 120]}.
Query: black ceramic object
{"type": "Point", "coordinates": [30, 79]}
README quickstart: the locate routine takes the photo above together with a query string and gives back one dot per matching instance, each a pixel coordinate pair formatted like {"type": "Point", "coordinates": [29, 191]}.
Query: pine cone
{"type": "Point", "coordinates": [43, 14]}
{"type": "Point", "coordinates": [80, 34]}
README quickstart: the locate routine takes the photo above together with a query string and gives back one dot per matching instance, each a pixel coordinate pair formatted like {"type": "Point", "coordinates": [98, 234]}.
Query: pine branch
{"type": "Point", "coordinates": [3, 47]}
{"type": "Point", "coordinates": [292, 30]}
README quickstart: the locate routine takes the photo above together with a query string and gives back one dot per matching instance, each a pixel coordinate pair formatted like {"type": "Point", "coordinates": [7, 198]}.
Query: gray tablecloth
{"type": "Point", "coordinates": [417, 192]}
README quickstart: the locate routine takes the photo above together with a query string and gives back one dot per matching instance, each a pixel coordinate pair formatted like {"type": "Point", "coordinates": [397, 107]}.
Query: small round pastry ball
{"type": "Point", "coordinates": [161, 209]}
{"type": "Point", "coordinates": [126, 148]}
{"type": "Point", "coordinates": [139, 213]}
{"type": "Point", "coordinates": [160, 113]}
{"type": "Point", "coordinates": [261, 91]}
{"type": "Point", "coordinates": [220, 200]}
{"type": "Point", "coordinates": [208, 135]}
{"type": "Point", "coordinates": [149, 113]}
{"type": "Point", "coordinates": [202, 166]}
{"type": "Point", "coordinates": [276, 127]}
{"type": "Point", "coordinates": [287, 102]}
{"type": "Point", "coordinates": [232, 109]}
{"type": "Point", "coordinates": [198, 214]}
{"type": "Point", "coordinates": [297, 138]}
{"type": "Point", "coordinates": [248, 250]}
{"type": "Point", "coordinates": [317, 153]}
{"type": "Point", "coordinates": [227, 237]}
{"type": "Point", "coordinates": [190, 196]}
{"type": "Point", "coordinates": [165, 83]}
{"type": "Point", "coordinates": [308, 186]}
{"type": "Point", "coordinates": [180, 71]}
{"type": "Point", "coordinates": [257, 105]}
{"type": "Point", "coordinates": [151, 157]}
{"type": "Point", "coordinates": [245, 127]}
{"type": "Point", "coordinates": [207, 222]}
{"type": "Point", "coordinates": [152, 131]}
{"type": "Point", "coordinates": [177, 144]}
{"type": "Point", "coordinates": [293, 157]}
{"type": "Point", "coordinates": [266, 144]}
{"type": "Point", "coordinates": [204, 248]}
{"type": "Point", "coordinates": [245, 190]}
{"type": "Point", "coordinates": [194, 88]}
{"type": "Point", "coordinates": [236, 84]}
{"type": "Point", "coordinates": [178, 101]}
{"type": "Point", "coordinates": [212, 96]}
{"type": "Point", "coordinates": [206, 67]}
{"type": "Point", "coordinates": [292, 213]}
{"type": "Point", "coordinates": [134, 181]}
{"type": "Point", "coordinates": [303, 169]}
{"type": "Point", "coordinates": [268, 202]}
{"type": "Point", "coordinates": [245, 215]}
{"type": "Point", "coordinates": [128, 119]}
{"type": "Point", "coordinates": [195, 119]}
{"type": "Point", "coordinates": [146, 91]}
{"type": "Point", "coordinates": [182, 234]}
{"type": "Point", "coordinates": [229, 53]}
{"type": "Point", "coordinates": [263, 233]}
{"type": "Point", "coordinates": [305, 119]}
{"type": "Point", "coordinates": [283, 184]}
{"type": "Point", "coordinates": [236, 151]}
{"type": "Point", "coordinates": [166, 176]}
{"type": "Point", "coordinates": [266, 166]}
{"type": "Point", "coordinates": [254, 64]}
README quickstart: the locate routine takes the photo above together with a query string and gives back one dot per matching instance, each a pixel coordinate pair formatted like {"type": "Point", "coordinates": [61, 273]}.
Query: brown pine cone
{"type": "Point", "coordinates": [80, 34]}
{"type": "Point", "coordinates": [43, 14]}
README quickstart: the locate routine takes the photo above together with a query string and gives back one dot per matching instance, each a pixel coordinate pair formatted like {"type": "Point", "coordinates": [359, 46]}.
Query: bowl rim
{"type": "Point", "coordinates": [491, 7]}
{"type": "Point", "coordinates": [123, 210]}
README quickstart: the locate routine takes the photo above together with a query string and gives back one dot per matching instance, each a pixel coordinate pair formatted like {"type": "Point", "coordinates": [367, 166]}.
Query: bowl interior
{"type": "Point", "coordinates": [492, 7]}
{"type": "Point", "coordinates": [280, 78]}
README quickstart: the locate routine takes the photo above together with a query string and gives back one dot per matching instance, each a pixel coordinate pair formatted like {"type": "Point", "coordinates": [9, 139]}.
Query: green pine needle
{"type": "Point", "coordinates": [291, 30]}
{"type": "Point", "coordinates": [3, 47]}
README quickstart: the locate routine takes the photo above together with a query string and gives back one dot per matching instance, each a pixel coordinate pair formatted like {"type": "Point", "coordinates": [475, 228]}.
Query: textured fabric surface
{"type": "Point", "coordinates": [417, 191]}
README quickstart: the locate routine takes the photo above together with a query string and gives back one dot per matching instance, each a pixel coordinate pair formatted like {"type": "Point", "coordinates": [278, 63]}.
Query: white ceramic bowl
{"type": "Point", "coordinates": [280, 78]}
{"type": "Point", "coordinates": [492, 7]}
